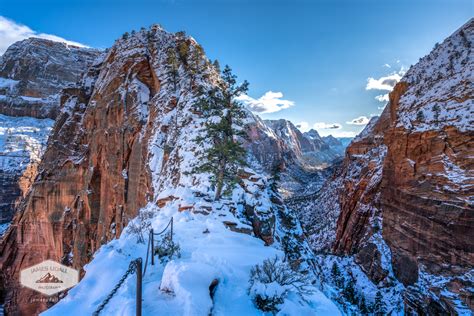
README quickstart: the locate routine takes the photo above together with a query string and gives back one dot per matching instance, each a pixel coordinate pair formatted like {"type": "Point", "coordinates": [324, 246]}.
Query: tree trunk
{"type": "Point", "coordinates": [220, 180]}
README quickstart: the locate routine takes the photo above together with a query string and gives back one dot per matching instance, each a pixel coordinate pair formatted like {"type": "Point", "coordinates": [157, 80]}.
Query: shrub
{"type": "Point", "coordinates": [271, 282]}
{"type": "Point", "coordinates": [167, 248]}
{"type": "Point", "coordinates": [141, 225]}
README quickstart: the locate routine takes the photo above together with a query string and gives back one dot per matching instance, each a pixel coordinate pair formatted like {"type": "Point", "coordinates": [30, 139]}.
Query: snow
{"type": "Point", "coordinates": [8, 84]}
{"type": "Point", "coordinates": [209, 250]}
{"type": "Point", "coordinates": [441, 82]}
{"type": "Point", "coordinates": [181, 286]}
{"type": "Point", "coordinates": [22, 140]}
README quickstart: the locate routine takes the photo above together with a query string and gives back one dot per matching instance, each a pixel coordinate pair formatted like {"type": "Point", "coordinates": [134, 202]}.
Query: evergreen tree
{"type": "Point", "coordinates": [224, 124]}
{"type": "Point", "coordinates": [349, 292]}
{"type": "Point", "coordinates": [336, 275]}
{"type": "Point", "coordinates": [379, 306]}
{"type": "Point", "coordinates": [275, 176]}
{"type": "Point", "coordinates": [197, 54]}
{"type": "Point", "coordinates": [436, 110]}
{"type": "Point", "coordinates": [173, 64]}
{"type": "Point", "coordinates": [420, 116]}
{"type": "Point", "coordinates": [216, 65]}
{"type": "Point", "coordinates": [363, 309]}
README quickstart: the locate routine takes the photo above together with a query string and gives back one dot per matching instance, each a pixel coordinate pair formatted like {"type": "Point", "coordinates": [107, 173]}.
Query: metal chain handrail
{"type": "Point", "coordinates": [167, 225]}
{"type": "Point", "coordinates": [151, 242]}
{"type": "Point", "coordinates": [131, 269]}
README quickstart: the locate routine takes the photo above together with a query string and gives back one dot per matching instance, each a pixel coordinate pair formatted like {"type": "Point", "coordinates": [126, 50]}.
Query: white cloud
{"type": "Point", "coordinates": [11, 32]}
{"type": "Point", "coordinates": [383, 83]}
{"type": "Point", "coordinates": [270, 102]}
{"type": "Point", "coordinates": [303, 126]}
{"type": "Point", "coordinates": [361, 120]}
{"type": "Point", "coordinates": [387, 66]}
{"type": "Point", "coordinates": [382, 98]}
{"type": "Point", "coordinates": [322, 125]}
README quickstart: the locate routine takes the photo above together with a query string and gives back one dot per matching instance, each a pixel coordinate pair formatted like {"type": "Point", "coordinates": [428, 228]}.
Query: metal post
{"type": "Point", "coordinates": [139, 286]}
{"type": "Point", "coordinates": [171, 228]}
{"type": "Point", "coordinates": [152, 247]}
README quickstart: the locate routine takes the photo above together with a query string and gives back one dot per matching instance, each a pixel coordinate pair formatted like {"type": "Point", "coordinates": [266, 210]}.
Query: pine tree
{"type": "Point", "coordinates": [363, 309]}
{"type": "Point", "coordinates": [436, 110]}
{"type": "Point", "coordinates": [173, 64]}
{"type": "Point", "coordinates": [379, 306]}
{"type": "Point", "coordinates": [224, 124]}
{"type": "Point", "coordinates": [275, 176]}
{"type": "Point", "coordinates": [216, 65]}
{"type": "Point", "coordinates": [420, 116]}
{"type": "Point", "coordinates": [336, 275]}
{"type": "Point", "coordinates": [349, 292]}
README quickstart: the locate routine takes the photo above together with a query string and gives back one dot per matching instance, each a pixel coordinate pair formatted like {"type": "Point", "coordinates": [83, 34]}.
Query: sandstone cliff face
{"type": "Point", "coordinates": [407, 183]}
{"type": "Point", "coordinates": [33, 72]}
{"type": "Point", "coordinates": [93, 176]}
{"type": "Point", "coordinates": [125, 138]}
{"type": "Point", "coordinates": [22, 142]}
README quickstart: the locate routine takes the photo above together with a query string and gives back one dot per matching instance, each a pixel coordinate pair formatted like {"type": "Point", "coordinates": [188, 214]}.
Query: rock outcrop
{"type": "Point", "coordinates": [22, 142]}
{"type": "Point", "coordinates": [125, 138]}
{"type": "Point", "coordinates": [407, 182]}
{"type": "Point", "coordinates": [33, 72]}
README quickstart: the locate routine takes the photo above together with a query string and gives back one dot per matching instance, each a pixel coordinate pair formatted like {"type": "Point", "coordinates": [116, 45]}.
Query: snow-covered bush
{"type": "Point", "coordinates": [167, 248]}
{"type": "Point", "coordinates": [140, 226]}
{"type": "Point", "coordinates": [271, 282]}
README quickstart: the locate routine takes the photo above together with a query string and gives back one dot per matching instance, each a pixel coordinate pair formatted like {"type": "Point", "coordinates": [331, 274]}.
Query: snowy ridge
{"type": "Point", "coordinates": [209, 250]}
{"type": "Point", "coordinates": [438, 85]}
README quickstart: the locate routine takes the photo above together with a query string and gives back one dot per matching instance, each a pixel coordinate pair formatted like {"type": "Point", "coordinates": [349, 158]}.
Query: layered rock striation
{"type": "Point", "coordinates": [124, 146]}
{"type": "Point", "coordinates": [404, 203]}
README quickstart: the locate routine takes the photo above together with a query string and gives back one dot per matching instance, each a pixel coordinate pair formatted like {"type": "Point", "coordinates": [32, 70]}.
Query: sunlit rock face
{"type": "Point", "coordinates": [303, 160]}
{"type": "Point", "coordinates": [125, 138]}
{"type": "Point", "coordinates": [404, 199]}
{"type": "Point", "coordinates": [33, 72]}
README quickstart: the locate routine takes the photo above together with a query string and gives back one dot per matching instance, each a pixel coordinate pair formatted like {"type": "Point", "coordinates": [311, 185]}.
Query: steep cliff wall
{"type": "Point", "coordinates": [404, 206]}
{"type": "Point", "coordinates": [32, 74]}
{"type": "Point", "coordinates": [124, 144]}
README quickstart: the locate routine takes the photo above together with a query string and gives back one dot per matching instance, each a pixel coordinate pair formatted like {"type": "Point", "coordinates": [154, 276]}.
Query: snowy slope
{"type": "Point", "coordinates": [22, 140]}
{"type": "Point", "coordinates": [181, 286]}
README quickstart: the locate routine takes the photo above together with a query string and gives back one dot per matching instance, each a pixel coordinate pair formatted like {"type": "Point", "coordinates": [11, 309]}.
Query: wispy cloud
{"type": "Point", "coordinates": [322, 125]}
{"type": "Point", "coordinates": [383, 83]}
{"type": "Point", "coordinates": [361, 120]}
{"type": "Point", "coordinates": [270, 102]}
{"type": "Point", "coordinates": [382, 97]}
{"type": "Point", "coordinates": [11, 32]}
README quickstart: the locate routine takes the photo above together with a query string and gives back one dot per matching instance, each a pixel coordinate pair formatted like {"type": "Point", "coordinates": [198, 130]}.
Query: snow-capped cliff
{"type": "Point", "coordinates": [124, 146]}
{"type": "Point", "coordinates": [403, 194]}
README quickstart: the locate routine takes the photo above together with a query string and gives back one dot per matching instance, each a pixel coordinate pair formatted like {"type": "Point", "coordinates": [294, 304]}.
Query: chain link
{"type": "Point", "coordinates": [131, 269]}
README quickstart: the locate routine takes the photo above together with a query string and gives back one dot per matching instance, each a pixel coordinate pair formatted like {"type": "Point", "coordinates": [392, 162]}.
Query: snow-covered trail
{"type": "Point", "coordinates": [181, 287]}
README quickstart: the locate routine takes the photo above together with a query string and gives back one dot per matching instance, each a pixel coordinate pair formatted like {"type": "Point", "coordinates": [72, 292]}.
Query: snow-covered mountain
{"type": "Point", "coordinates": [396, 217]}
{"type": "Point", "coordinates": [32, 74]}
{"type": "Point", "coordinates": [120, 160]}
{"type": "Point", "coordinates": [301, 159]}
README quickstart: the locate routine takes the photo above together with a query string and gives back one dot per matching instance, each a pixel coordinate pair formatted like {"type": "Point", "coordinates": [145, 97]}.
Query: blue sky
{"type": "Point", "coordinates": [311, 60]}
